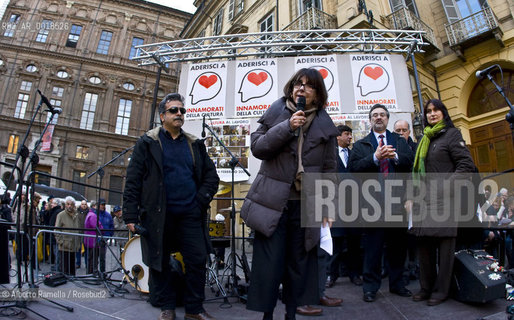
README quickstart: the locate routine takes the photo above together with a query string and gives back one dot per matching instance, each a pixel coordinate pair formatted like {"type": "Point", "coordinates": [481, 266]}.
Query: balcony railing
{"type": "Point", "coordinates": [312, 19]}
{"type": "Point", "coordinates": [404, 19]}
{"type": "Point", "coordinates": [473, 26]}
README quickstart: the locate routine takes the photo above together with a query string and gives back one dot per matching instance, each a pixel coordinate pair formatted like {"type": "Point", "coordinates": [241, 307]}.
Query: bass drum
{"type": "Point", "coordinates": [132, 261]}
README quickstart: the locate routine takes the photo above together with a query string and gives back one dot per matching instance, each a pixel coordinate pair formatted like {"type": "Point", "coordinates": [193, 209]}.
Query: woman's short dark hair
{"type": "Point", "coordinates": [315, 79]}
{"type": "Point", "coordinates": [170, 97]}
{"type": "Point", "coordinates": [438, 105]}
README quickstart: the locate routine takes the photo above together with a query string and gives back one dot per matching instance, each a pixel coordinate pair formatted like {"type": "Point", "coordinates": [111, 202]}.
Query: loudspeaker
{"type": "Point", "coordinates": [472, 279]}
{"type": "Point", "coordinates": [55, 279]}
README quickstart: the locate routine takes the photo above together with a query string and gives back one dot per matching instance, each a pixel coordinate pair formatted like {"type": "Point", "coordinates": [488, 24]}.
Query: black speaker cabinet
{"type": "Point", "coordinates": [473, 281]}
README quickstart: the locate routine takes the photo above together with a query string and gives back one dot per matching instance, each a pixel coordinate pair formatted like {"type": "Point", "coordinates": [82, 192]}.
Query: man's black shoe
{"type": "Point", "coordinates": [369, 296]}
{"type": "Point", "coordinates": [402, 292]}
{"type": "Point", "coordinates": [357, 280]}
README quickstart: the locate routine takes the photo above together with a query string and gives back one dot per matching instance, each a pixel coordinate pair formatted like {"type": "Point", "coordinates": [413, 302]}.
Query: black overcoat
{"type": "Point", "coordinates": [144, 198]}
{"type": "Point", "coordinates": [447, 159]}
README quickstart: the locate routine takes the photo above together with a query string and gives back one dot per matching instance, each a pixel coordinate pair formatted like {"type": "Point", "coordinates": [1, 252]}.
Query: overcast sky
{"type": "Point", "coordinates": [184, 5]}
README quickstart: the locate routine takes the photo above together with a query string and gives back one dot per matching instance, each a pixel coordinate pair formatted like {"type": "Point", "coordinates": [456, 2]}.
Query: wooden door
{"type": "Point", "coordinates": [492, 147]}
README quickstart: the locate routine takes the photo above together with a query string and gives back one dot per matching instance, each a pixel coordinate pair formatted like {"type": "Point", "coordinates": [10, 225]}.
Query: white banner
{"type": "Point", "coordinates": [206, 90]}
{"type": "Point", "coordinates": [256, 87]}
{"type": "Point", "coordinates": [327, 66]}
{"type": "Point", "coordinates": [373, 82]}
{"type": "Point", "coordinates": [243, 90]}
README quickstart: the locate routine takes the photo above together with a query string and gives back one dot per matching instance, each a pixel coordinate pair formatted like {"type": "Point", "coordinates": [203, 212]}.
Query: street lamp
{"type": "Point", "coordinates": [162, 66]}
{"type": "Point", "coordinates": [417, 126]}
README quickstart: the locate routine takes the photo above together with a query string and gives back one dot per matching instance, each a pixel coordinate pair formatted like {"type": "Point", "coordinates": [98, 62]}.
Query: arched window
{"type": "Point", "coordinates": [128, 86]}
{"type": "Point", "coordinates": [31, 68]}
{"type": "Point", "coordinates": [62, 74]}
{"type": "Point", "coordinates": [485, 98]}
{"type": "Point", "coordinates": [95, 80]}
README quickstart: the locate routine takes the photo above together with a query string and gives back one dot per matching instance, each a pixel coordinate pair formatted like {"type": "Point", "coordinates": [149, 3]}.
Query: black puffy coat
{"type": "Point", "coordinates": [144, 198]}
{"type": "Point", "coordinates": [275, 144]}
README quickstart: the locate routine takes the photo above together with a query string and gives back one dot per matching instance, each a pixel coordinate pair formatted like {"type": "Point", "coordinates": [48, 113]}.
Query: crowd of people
{"type": "Point", "coordinates": [61, 248]}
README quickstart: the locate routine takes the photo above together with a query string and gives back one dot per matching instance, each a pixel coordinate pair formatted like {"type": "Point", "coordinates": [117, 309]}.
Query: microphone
{"type": "Point", "coordinates": [56, 110]}
{"type": "Point", "coordinates": [482, 73]}
{"type": "Point", "coordinates": [300, 106]}
{"type": "Point", "coordinates": [48, 104]}
{"type": "Point", "coordinates": [203, 126]}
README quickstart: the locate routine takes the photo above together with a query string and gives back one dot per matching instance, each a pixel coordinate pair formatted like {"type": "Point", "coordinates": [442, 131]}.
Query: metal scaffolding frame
{"type": "Point", "coordinates": [282, 43]}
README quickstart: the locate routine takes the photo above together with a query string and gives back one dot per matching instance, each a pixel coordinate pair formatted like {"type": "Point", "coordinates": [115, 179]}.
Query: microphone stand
{"type": "Point", "coordinates": [100, 171]}
{"type": "Point", "coordinates": [23, 152]}
{"type": "Point", "coordinates": [510, 115]}
{"type": "Point", "coordinates": [232, 260]}
{"type": "Point", "coordinates": [16, 204]}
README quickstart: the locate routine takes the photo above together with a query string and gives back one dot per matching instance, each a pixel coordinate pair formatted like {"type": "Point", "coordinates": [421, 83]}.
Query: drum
{"type": "Point", "coordinates": [216, 228]}
{"type": "Point", "coordinates": [132, 261]}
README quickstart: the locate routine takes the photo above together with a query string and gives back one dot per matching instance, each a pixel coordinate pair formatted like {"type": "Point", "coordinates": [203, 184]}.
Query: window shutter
{"type": "Point", "coordinates": [396, 4]}
{"type": "Point", "coordinates": [231, 10]}
{"type": "Point", "coordinates": [451, 10]}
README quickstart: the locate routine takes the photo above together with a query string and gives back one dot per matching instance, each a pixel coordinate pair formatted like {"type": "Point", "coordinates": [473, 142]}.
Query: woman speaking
{"type": "Point", "coordinates": [441, 157]}
{"type": "Point", "coordinates": [295, 135]}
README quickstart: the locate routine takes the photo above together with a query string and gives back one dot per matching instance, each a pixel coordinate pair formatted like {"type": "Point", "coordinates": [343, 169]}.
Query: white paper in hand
{"type": "Point", "coordinates": [325, 241]}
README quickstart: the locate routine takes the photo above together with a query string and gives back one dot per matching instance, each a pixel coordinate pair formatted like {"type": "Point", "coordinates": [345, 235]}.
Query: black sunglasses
{"type": "Point", "coordinates": [174, 110]}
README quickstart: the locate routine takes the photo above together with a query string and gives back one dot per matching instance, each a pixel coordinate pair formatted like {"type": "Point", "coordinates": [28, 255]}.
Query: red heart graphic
{"type": "Point", "coordinates": [374, 73]}
{"type": "Point", "coordinates": [324, 73]}
{"type": "Point", "coordinates": [257, 79]}
{"type": "Point", "coordinates": [207, 81]}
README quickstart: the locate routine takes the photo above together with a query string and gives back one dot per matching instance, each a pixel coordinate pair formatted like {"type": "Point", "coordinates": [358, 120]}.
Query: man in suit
{"type": "Point", "coordinates": [384, 153]}
{"type": "Point", "coordinates": [352, 257]}
{"type": "Point", "coordinates": [402, 127]}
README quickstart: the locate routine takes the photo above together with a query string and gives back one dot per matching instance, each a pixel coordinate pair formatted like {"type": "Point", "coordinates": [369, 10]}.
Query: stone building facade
{"type": "Point", "coordinates": [465, 36]}
{"type": "Point", "coordinates": [77, 53]}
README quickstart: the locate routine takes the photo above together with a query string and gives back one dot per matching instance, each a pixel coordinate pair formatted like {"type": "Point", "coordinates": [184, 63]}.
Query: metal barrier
{"type": "Point", "coordinates": [48, 258]}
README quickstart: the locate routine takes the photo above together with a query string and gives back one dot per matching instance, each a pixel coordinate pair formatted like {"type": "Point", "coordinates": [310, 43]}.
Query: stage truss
{"type": "Point", "coordinates": [281, 44]}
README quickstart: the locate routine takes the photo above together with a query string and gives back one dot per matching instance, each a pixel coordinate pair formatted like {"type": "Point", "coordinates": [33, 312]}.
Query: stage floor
{"type": "Point", "coordinates": [92, 301]}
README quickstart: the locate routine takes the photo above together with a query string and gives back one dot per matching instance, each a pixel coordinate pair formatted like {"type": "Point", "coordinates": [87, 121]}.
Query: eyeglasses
{"type": "Point", "coordinates": [306, 86]}
{"type": "Point", "coordinates": [174, 110]}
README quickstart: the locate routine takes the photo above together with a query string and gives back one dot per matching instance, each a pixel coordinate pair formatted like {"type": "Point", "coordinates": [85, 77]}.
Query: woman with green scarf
{"type": "Point", "coordinates": [441, 157]}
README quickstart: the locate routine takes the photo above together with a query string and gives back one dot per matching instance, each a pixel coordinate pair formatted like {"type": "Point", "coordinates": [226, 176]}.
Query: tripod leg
{"type": "Point", "coordinates": [37, 313]}
{"type": "Point", "coordinates": [246, 267]}
{"type": "Point", "coordinates": [69, 309]}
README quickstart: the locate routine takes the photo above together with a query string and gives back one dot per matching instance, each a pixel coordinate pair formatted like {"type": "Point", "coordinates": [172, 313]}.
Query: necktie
{"type": "Point", "coordinates": [384, 163]}
{"type": "Point", "coordinates": [345, 154]}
